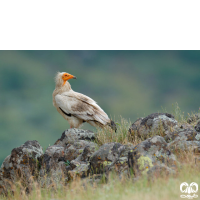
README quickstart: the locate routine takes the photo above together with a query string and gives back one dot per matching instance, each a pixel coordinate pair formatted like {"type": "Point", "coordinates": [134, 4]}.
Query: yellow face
{"type": "Point", "coordinates": [67, 76]}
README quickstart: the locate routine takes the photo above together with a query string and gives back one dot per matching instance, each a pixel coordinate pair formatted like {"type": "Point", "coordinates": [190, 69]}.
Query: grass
{"type": "Point", "coordinates": [181, 117]}
{"type": "Point", "coordinates": [107, 135]}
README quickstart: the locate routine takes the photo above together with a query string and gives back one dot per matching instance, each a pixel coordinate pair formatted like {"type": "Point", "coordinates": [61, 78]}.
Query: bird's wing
{"type": "Point", "coordinates": [81, 106]}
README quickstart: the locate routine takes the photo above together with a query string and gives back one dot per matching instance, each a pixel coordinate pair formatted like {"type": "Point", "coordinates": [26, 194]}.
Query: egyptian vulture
{"type": "Point", "coordinates": [75, 107]}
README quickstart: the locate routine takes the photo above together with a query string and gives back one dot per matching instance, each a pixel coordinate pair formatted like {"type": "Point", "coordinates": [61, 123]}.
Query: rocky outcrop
{"type": "Point", "coordinates": [71, 135]}
{"type": "Point", "coordinates": [154, 124]}
{"type": "Point", "coordinates": [184, 140]}
{"type": "Point", "coordinates": [110, 156]}
{"type": "Point", "coordinates": [23, 163]}
{"type": "Point", "coordinates": [149, 153]}
{"type": "Point", "coordinates": [70, 154]}
{"type": "Point", "coordinates": [77, 154]}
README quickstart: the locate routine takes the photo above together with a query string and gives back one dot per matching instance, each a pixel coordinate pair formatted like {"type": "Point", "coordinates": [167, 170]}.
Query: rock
{"type": "Point", "coordinates": [154, 124]}
{"type": "Point", "coordinates": [81, 147]}
{"type": "Point", "coordinates": [197, 127]}
{"type": "Point", "coordinates": [70, 154]}
{"type": "Point", "coordinates": [110, 156]}
{"type": "Point", "coordinates": [135, 126]}
{"type": "Point", "coordinates": [193, 118]}
{"type": "Point", "coordinates": [71, 135]}
{"type": "Point", "coordinates": [70, 146]}
{"type": "Point", "coordinates": [26, 154]}
{"type": "Point", "coordinates": [80, 171]}
{"type": "Point", "coordinates": [54, 167]}
{"type": "Point", "coordinates": [73, 144]}
{"type": "Point", "coordinates": [80, 166]}
{"type": "Point", "coordinates": [23, 163]}
{"type": "Point", "coordinates": [187, 126]}
{"type": "Point", "coordinates": [52, 156]}
{"type": "Point", "coordinates": [87, 152]}
{"type": "Point", "coordinates": [149, 153]}
{"type": "Point", "coordinates": [159, 171]}
{"type": "Point", "coordinates": [55, 179]}
{"type": "Point", "coordinates": [185, 140]}
{"type": "Point", "coordinates": [182, 134]}
{"type": "Point", "coordinates": [6, 175]}
{"type": "Point", "coordinates": [76, 154]}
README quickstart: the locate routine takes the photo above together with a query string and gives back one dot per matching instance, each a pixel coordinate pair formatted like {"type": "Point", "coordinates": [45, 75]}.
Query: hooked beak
{"type": "Point", "coordinates": [74, 77]}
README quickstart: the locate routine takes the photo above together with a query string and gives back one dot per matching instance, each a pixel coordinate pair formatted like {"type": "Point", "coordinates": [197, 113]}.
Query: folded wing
{"type": "Point", "coordinates": [81, 106]}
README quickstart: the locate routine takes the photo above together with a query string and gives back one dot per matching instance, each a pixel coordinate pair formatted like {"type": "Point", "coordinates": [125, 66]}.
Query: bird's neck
{"type": "Point", "coordinates": [65, 87]}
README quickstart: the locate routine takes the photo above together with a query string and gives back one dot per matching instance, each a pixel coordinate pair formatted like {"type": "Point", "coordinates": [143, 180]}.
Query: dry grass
{"type": "Point", "coordinates": [178, 114]}
{"type": "Point", "coordinates": [122, 134]}
{"type": "Point", "coordinates": [181, 117]}
{"type": "Point", "coordinates": [107, 135]}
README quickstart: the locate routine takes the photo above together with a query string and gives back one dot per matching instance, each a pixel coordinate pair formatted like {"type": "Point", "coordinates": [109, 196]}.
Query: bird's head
{"type": "Point", "coordinates": [62, 77]}
{"type": "Point", "coordinates": [66, 76]}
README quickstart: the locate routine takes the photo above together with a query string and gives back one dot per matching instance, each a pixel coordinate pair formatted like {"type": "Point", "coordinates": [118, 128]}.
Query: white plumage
{"type": "Point", "coordinates": [75, 107]}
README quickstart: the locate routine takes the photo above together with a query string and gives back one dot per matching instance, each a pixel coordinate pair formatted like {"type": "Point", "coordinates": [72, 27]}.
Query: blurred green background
{"type": "Point", "coordinates": [130, 84]}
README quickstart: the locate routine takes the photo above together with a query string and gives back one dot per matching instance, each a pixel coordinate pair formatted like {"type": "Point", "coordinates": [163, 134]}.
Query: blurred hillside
{"type": "Point", "coordinates": [127, 83]}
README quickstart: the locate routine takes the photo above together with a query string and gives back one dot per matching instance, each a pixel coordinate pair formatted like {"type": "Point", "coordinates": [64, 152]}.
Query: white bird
{"type": "Point", "coordinates": [75, 107]}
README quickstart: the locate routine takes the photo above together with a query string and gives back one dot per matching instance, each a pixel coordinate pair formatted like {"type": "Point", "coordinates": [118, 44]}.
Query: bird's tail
{"type": "Point", "coordinates": [112, 125]}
